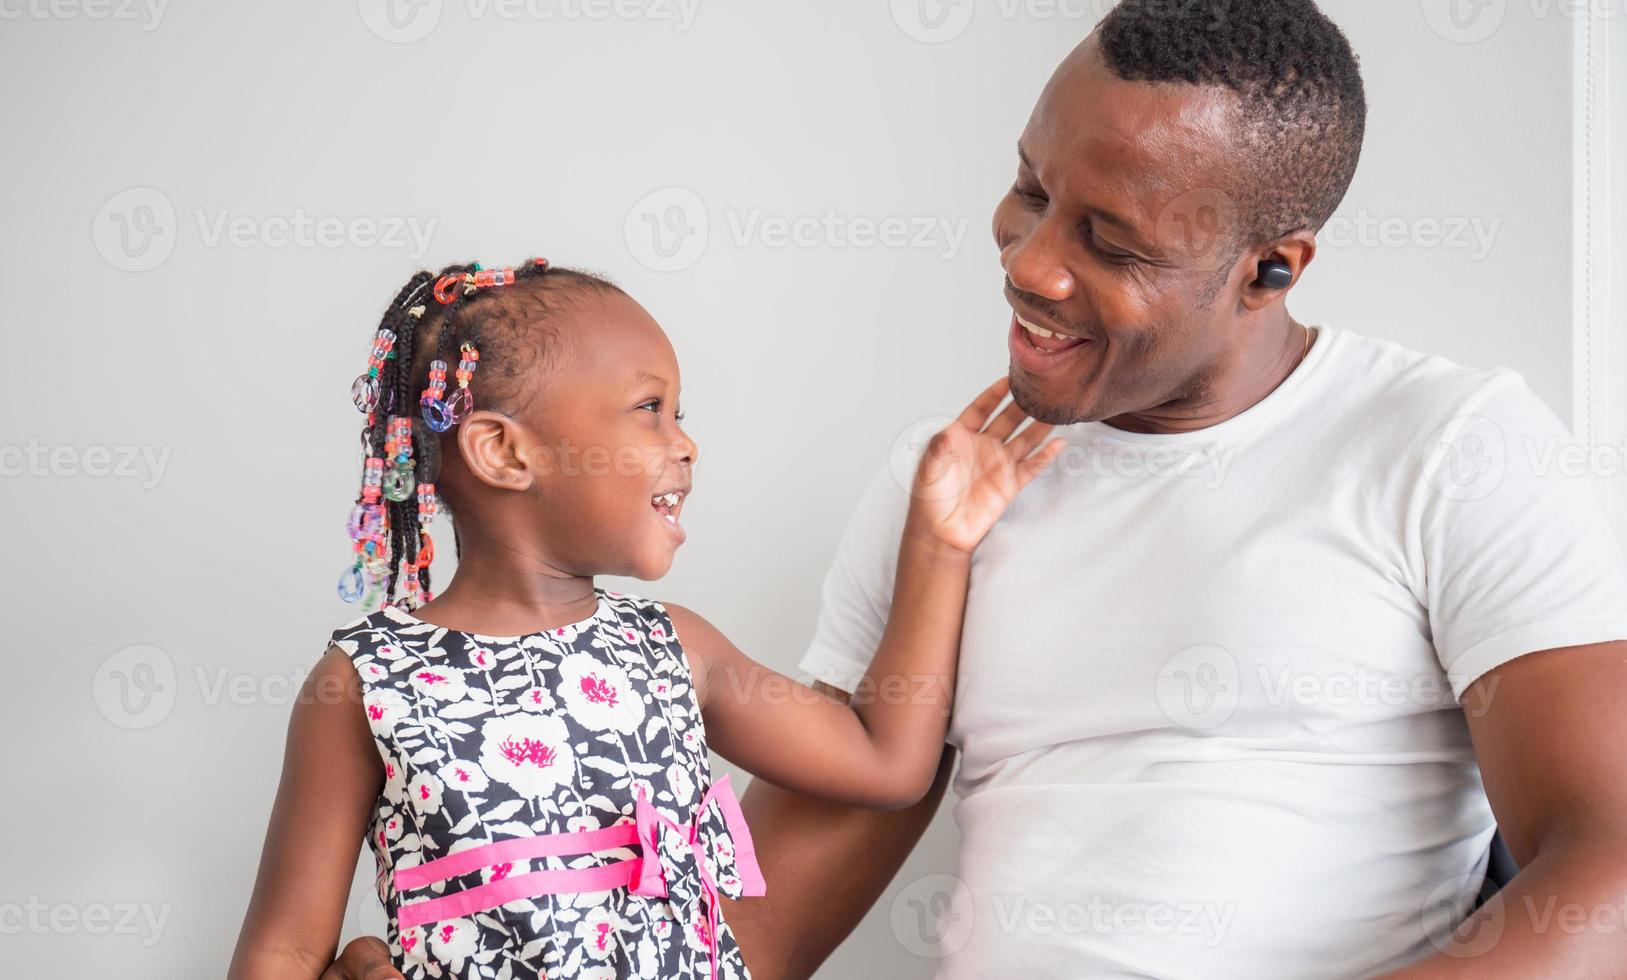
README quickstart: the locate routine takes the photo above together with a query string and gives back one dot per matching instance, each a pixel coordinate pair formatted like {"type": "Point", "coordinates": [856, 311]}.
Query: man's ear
{"type": "Point", "coordinates": [1262, 286]}
{"type": "Point", "coordinates": [493, 449]}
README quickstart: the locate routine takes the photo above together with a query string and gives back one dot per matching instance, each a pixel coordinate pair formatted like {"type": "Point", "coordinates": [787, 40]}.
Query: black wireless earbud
{"type": "Point", "coordinates": [1275, 275]}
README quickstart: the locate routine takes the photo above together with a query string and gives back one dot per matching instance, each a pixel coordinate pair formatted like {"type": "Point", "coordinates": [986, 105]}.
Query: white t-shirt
{"type": "Point", "coordinates": [1207, 707]}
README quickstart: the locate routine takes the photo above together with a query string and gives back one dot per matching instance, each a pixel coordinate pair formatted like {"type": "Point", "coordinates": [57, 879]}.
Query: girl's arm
{"type": "Point", "coordinates": [331, 775]}
{"type": "Point", "coordinates": [882, 748]}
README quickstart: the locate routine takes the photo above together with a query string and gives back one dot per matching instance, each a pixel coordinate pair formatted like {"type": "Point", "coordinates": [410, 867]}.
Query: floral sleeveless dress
{"type": "Point", "coordinates": [548, 809]}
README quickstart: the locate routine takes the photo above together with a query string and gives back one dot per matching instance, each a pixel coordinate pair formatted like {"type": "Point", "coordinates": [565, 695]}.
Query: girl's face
{"type": "Point", "coordinates": [610, 465]}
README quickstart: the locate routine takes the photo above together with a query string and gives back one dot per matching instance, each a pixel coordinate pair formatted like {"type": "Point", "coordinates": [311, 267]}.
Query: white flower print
{"type": "Point", "coordinates": [531, 753]}
{"type": "Point", "coordinates": [384, 707]}
{"type": "Point", "coordinates": [552, 733]}
{"type": "Point", "coordinates": [439, 682]}
{"type": "Point", "coordinates": [599, 932]}
{"type": "Point", "coordinates": [599, 695]}
{"type": "Point", "coordinates": [679, 781]}
{"type": "Point", "coordinates": [425, 792]}
{"type": "Point", "coordinates": [466, 776]}
{"type": "Point", "coordinates": [452, 940]}
{"type": "Point", "coordinates": [412, 945]}
{"type": "Point", "coordinates": [395, 778]}
{"type": "Point", "coordinates": [537, 699]}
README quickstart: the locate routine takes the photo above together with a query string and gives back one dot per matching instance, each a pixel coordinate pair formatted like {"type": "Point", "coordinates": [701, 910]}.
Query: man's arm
{"type": "Point", "coordinates": [825, 864]}
{"type": "Point", "coordinates": [1549, 730]}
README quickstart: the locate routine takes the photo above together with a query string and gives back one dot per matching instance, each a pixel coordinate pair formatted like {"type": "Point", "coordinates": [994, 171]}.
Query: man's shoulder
{"type": "Point", "coordinates": [1383, 379]}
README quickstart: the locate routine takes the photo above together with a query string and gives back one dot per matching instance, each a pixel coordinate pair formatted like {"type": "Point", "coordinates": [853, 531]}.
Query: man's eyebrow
{"type": "Point", "coordinates": [1105, 215]}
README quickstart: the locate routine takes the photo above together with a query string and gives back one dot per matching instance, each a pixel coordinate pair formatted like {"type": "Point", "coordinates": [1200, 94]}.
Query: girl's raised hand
{"type": "Point", "coordinates": [974, 468]}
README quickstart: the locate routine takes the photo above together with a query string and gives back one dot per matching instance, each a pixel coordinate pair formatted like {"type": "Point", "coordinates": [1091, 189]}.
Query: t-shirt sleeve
{"type": "Point", "coordinates": [1518, 554]}
{"type": "Point", "coordinates": [858, 590]}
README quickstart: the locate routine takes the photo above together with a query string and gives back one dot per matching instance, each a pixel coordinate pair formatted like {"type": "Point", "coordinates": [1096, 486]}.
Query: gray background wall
{"type": "Point", "coordinates": [161, 611]}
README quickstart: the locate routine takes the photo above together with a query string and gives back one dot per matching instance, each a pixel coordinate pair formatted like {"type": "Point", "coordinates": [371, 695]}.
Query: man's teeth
{"type": "Point", "coordinates": [1036, 329]}
{"type": "Point", "coordinates": [1040, 331]}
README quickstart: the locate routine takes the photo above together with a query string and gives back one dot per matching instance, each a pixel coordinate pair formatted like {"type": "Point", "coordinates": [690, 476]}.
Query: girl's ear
{"type": "Point", "coordinates": [492, 447]}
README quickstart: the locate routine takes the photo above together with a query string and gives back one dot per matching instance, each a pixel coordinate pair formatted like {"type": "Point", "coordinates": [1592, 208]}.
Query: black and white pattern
{"type": "Point", "coordinates": [485, 739]}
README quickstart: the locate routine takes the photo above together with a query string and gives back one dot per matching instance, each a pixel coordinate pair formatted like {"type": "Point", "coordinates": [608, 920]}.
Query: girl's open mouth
{"type": "Point", "coordinates": [668, 505]}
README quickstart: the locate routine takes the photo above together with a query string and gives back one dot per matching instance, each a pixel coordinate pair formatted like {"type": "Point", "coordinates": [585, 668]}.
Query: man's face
{"type": "Point", "coordinates": [1116, 237]}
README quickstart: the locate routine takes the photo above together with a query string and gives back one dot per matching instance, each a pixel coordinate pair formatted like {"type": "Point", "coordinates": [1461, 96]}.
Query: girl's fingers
{"type": "Point", "coordinates": [977, 413]}
{"type": "Point", "coordinates": [1004, 425]}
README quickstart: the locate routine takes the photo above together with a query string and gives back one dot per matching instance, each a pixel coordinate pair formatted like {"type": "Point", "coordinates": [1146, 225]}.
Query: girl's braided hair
{"type": "Point", "coordinates": [508, 319]}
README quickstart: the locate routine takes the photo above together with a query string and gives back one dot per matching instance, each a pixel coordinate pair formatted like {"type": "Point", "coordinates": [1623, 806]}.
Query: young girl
{"type": "Point", "coordinates": [526, 753]}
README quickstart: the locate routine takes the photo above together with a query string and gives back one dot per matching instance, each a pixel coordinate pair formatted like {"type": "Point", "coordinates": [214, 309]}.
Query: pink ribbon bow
{"type": "Point", "coordinates": [650, 880]}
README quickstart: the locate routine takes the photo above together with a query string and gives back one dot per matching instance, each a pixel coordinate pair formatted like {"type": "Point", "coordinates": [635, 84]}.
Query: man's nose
{"type": "Point", "coordinates": [1036, 263]}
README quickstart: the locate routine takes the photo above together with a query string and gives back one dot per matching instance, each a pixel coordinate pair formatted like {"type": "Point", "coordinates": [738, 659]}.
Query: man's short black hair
{"type": "Point", "coordinates": [1303, 108]}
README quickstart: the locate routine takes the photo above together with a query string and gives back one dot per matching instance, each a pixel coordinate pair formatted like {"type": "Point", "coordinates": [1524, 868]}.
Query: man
{"type": "Point", "coordinates": [1241, 672]}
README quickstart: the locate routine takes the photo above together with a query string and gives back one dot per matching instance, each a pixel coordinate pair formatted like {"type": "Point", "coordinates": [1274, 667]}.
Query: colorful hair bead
{"type": "Point", "coordinates": [351, 585]}
{"type": "Point", "coordinates": [433, 400]}
{"type": "Point", "coordinates": [462, 401]}
{"type": "Point", "coordinates": [494, 277]}
{"type": "Point", "coordinates": [398, 482]}
{"type": "Point", "coordinates": [426, 503]}
{"type": "Point", "coordinates": [364, 391]}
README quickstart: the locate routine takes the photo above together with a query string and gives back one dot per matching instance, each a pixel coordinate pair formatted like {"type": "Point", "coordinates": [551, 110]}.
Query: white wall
{"type": "Point", "coordinates": [207, 582]}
